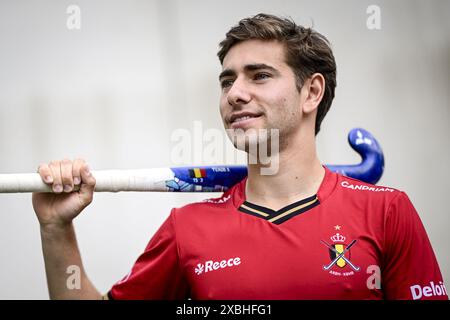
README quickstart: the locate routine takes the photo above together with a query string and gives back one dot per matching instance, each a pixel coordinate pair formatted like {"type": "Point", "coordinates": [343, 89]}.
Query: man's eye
{"type": "Point", "coordinates": [226, 83]}
{"type": "Point", "coordinates": [261, 76]}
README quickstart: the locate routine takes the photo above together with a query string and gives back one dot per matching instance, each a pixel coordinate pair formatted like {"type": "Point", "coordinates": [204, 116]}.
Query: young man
{"type": "Point", "coordinates": [300, 233]}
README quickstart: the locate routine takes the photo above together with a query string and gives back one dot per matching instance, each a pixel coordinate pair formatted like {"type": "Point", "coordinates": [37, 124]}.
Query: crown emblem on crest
{"type": "Point", "coordinates": [338, 238]}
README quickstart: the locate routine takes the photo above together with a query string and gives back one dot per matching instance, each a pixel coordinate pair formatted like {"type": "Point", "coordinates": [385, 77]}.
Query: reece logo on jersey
{"type": "Point", "coordinates": [211, 265]}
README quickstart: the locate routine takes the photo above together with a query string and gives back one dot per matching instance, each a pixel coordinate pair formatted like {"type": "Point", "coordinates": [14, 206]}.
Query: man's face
{"type": "Point", "coordinates": [259, 89]}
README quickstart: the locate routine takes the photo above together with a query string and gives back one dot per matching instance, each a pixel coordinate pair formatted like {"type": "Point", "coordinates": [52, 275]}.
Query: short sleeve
{"type": "Point", "coordinates": [410, 269]}
{"type": "Point", "coordinates": [156, 274]}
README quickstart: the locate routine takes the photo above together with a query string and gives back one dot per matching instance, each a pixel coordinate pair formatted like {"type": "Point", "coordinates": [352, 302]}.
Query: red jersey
{"type": "Point", "coordinates": [352, 240]}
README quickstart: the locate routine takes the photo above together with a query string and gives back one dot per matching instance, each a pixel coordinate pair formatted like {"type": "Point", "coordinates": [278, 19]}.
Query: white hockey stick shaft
{"type": "Point", "coordinates": [107, 181]}
{"type": "Point", "coordinates": [201, 179]}
{"type": "Point", "coordinates": [177, 179]}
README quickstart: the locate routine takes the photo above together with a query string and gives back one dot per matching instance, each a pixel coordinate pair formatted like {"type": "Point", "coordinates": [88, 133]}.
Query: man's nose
{"type": "Point", "coordinates": [238, 93]}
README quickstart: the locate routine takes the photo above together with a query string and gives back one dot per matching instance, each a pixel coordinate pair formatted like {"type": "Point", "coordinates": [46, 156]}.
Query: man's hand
{"type": "Point", "coordinates": [57, 210]}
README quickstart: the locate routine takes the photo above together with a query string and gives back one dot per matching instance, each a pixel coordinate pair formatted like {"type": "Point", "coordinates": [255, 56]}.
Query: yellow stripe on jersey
{"type": "Point", "coordinates": [254, 210]}
{"type": "Point", "coordinates": [294, 209]}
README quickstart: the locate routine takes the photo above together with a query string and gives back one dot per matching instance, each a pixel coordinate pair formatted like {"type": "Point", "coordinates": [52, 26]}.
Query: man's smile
{"type": "Point", "coordinates": [243, 119]}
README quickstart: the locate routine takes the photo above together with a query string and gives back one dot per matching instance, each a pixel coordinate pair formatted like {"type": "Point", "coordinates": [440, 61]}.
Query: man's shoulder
{"type": "Point", "coordinates": [206, 206]}
{"type": "Point", "coordinates": [351, 187]}
{"type": "Point", "coordinates": [208, 203]}
{"type": "Point", "coordinates": [359, 197]}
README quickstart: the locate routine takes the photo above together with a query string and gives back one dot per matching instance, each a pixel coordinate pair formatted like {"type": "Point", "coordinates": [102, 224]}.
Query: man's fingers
{"type": "Point", "coordinates": [55, 167]}
{"type": "Point", "coordinates": [76, 170]}
{"type": "Point", "coordinates": [66, 175]}
{"type": "Point", "coordinates": [45, 173]}
{"type": "Point", "coordinates": [87, 184]}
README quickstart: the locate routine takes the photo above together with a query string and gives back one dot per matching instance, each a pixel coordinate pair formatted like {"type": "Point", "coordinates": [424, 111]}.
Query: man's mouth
{"type": "Point", "coordinates": [242, 120]}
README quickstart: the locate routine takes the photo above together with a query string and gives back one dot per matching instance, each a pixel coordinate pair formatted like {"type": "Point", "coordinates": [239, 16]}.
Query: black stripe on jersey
{"type": "Point", "coordinates": [243, 208]}
{"type": "Point", "coordinates": [282, 215]}
{"type": "Point", "coordinates": [254, 207]}
{"type": "Point", "coordinates": [296, 210]}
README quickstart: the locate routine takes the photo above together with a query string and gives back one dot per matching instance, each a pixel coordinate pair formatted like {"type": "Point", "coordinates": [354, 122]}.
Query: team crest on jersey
{"type": "Point", "coordinates": [339, 251]}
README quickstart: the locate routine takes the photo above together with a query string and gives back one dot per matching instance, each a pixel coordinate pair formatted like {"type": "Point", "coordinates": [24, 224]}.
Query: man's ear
{"type": "Point", "coordinates": [314, 89]}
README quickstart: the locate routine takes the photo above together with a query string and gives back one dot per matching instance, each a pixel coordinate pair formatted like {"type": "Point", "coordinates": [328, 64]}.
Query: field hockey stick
{"type": "Point", "coordinates": [200, 178]}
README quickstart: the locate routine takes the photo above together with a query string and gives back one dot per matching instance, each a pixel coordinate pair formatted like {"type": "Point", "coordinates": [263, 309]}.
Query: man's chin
{"type": "Point", "coordinates": [251, 139]}
{"type": "Point", "coordinates": [247, 130]}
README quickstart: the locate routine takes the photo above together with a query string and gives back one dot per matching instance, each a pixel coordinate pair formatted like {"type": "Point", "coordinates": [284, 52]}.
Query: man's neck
{"type": "Point", "coordinates": [299, 176]}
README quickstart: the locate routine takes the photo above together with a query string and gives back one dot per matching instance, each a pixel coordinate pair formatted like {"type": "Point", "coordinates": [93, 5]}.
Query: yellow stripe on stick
{"type": "Point", "coordinates": [197, 173]}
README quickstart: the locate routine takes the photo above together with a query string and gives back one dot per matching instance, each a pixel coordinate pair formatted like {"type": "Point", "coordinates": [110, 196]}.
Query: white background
{"type": "Point", "coordinates": [114, 92]}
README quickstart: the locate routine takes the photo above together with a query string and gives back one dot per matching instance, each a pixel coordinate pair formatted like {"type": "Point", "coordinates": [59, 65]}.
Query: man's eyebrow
{"type": "Point", "coordinates": [248, 67]}
{"type": "Point", "coordinates": [259, 66]}
{"type": "Point", "coordinates": [227, 73]}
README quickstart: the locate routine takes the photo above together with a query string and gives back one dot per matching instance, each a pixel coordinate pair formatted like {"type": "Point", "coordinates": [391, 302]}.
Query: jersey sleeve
{"type": "Point", "coordinates": [410, 269]}
{"type": "Point", "coordinates": [156, 274]}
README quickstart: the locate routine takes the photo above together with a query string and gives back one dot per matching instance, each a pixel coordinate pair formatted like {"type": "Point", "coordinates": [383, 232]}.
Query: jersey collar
{"type": "Point", "coordinates": [279, 216]}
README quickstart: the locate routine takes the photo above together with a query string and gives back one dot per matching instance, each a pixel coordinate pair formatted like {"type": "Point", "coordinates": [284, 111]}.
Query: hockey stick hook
{"type": "Point", "coordinates": [372, 165]}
